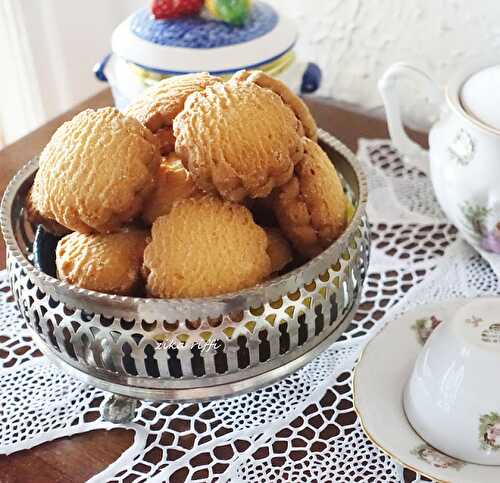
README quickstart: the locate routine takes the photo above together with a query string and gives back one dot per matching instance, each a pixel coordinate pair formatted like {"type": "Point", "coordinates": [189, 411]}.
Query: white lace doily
{"type": "Point", "coordinates": [303, 428]}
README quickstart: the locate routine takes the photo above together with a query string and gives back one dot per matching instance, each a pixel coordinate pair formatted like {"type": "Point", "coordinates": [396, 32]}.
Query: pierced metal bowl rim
{"type": "Point", "coordinates": [259, 294]}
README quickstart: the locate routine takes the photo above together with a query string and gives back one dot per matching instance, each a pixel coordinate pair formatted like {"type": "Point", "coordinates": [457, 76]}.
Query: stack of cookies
{"type": "Point", "coordinates": [202, 187]}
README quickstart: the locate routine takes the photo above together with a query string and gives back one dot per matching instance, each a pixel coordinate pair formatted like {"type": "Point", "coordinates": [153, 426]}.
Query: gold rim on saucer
{"type": "Point", "coordinates": [367, 433]}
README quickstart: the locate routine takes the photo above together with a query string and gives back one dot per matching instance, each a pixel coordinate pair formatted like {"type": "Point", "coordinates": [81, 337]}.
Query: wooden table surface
{"type": "Point", "coordinates": [79, 457]}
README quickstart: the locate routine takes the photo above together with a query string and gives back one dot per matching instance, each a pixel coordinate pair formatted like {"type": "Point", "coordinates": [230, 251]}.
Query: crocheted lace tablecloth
{"type": "Point", "coordinates": [303, 428]}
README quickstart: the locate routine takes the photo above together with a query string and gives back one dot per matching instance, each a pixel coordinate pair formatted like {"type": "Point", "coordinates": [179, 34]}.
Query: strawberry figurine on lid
{"type": "Point", "coordinates": [164, 9]}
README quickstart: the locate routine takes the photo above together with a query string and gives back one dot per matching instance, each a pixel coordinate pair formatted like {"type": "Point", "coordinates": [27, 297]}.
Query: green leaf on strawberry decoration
{"type": "Point", "coordinates": [230, 11]}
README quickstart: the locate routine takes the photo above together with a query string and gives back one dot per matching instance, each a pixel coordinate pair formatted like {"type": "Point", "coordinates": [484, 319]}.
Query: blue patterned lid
{"type": "Point", "coordinates": [196, 43]}
{"type": "Point", "coordinates": [200, 32]}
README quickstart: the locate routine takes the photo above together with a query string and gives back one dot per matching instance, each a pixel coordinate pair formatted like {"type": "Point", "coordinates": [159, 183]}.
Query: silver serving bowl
{"type": "Point", "coordinates": [212, 347]}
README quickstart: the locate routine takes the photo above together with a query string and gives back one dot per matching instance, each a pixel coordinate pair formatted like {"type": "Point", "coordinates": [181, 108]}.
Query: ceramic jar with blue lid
{"type": "Point", "coordinates": [146, 50]}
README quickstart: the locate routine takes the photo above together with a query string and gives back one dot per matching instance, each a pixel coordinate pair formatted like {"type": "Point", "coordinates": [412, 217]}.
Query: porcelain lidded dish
{"type": "Point", "coordinates": [464, 146]}
{"type": "Point", "coordinates": [452, 398]}
{"type": "Point", "coordinates": [146, 50]}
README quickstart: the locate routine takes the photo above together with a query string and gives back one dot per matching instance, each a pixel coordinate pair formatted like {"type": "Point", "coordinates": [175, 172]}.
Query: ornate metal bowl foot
{"type": "Point", "coordinates": [119, 409]}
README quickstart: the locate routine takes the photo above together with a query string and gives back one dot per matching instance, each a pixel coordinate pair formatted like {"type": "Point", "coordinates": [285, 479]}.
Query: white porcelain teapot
{"type": "Point", "coordinates": [464, 146]}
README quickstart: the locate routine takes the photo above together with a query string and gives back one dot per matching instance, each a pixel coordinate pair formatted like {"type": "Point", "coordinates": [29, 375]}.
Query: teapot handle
{"type": "Point", "coordinates": [388, 90]}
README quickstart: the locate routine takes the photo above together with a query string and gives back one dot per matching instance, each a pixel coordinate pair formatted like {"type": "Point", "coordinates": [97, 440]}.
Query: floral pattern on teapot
{"type": "Point", "coordinates": [478, 220]}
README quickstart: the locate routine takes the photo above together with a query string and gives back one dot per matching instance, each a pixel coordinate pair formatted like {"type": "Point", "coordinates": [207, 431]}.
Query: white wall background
{"type": "Point", "coordinates": [352, 40]}
{"type": "Point", "coordinates": [356, 40]}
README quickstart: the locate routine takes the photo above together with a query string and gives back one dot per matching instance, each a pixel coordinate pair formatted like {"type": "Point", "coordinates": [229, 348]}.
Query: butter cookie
{"type": "Point", "coordinates": [312, 207]}
{"type": "Point", "coordinates": [205, 246]}
{"type": "Point", "coordinates": [34, 217]}
{"type": "Point", "coordinates": [278, 249]}
{"type": "Point", "coordinates": [238, 139]}
{"type": "Point", "coordinates": [96, 171]}
{"type": "Point", "coordinates": [173, 182]}
{"type": "Point", "coordinates": [158, 105]}
{"type": "Point", "coordinates": [105, 263]}
{"type": "Point", "coordinates": [295, 103]}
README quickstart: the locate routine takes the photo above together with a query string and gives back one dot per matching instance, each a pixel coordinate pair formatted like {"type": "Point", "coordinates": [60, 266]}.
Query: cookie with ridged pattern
{"type": "Point", "coordinates": [108, 263]}
{"type": "Point", "coordinates": [34, 217]}
{"type": "Point", "coordinates": [158, 105]}
{"type": "Point", "coordinates": [312, 207]}
{"type": "Point", "coordinates": [238, 140]}
{"type": "Point", "coordinates": [173, 182]}
{"type": "Point", "coordinates": [96, 171]}
{"type": "Point", "coordinates": [297, 105]}
{"type": "Point", "coordinates": [204, 247]}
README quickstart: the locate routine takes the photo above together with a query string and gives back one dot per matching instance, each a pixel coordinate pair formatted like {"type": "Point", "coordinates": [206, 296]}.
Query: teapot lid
{"type": "Point", "coordinates": [199, 43]}
{"type": "Point", "coordinates": [480, 96]}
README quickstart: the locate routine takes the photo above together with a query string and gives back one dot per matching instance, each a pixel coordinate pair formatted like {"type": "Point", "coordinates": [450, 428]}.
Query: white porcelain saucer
{"type": "Point", "coordinates": [379, 379]}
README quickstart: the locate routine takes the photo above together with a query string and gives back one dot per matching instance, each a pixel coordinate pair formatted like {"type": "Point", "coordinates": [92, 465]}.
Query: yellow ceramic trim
{"type": "Point", "coordinates": [272, 68]}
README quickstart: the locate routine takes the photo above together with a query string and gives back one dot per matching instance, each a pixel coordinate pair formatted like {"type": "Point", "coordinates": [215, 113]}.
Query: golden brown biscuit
{"type": "Point", "coordinates": [157, 106]}
{"type": "Point", "coordinates": [311, 208]}
{"type": "Point", "coordinates": [297, 105]}
{"type": "Point", "coordinates": [205, 246]}
{"type": "Point", "coordinates": [96, 171]}
{"type": "Point", "coordinates": [278, 249]}
{"type": "Point", "coordinates": [173, 183]}
{"type": "Point", "coordinates": [34, 217]}
{"type": "Point", "coordinates": [105, 263]}
{"type": "Point", "coordinates": [238, 139]}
